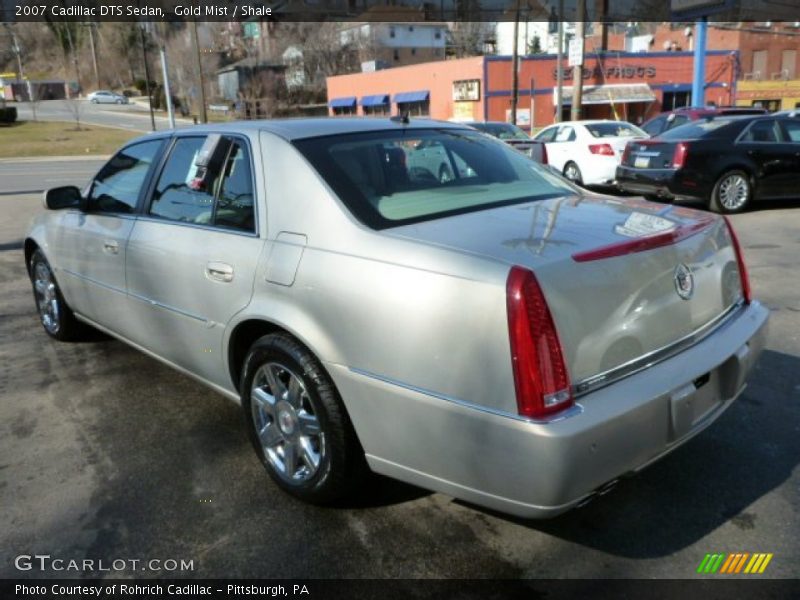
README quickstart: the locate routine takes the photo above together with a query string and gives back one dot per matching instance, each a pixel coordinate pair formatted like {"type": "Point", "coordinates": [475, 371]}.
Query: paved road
{"type": "Point", "coordinates": [105, 453]}
{"type": "Point", "coordinates": [36, 175]}
{"type": "Point", "coordinates": [131, 116]}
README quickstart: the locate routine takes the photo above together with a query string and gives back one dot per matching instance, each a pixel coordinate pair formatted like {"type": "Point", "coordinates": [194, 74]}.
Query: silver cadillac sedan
{"type": "Point", "coordinates": [498, 334]}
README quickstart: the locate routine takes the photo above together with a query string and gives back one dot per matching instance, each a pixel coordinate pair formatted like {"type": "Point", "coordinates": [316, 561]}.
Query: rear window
{"type": "Point", "coordinates": [702, 128]}
{"type": "Point", "coordinates": [393, 178]}
{"type": "Point", "coordinates": [604, 130]}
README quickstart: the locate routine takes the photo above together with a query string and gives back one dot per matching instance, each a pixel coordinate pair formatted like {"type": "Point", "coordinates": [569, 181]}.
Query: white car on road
{"type": "Point", "coordinates": [588, 152]}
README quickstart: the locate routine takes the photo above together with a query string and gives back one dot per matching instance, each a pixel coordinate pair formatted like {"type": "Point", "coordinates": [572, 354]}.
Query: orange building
{"type": "Point", "coordinates": [629, 86]}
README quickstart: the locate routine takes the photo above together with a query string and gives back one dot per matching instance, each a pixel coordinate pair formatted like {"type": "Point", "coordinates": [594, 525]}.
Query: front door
{"type": "Point", "coordinates": [774, 158]}
{"type": "Point", "coordinates": [192, 257]}
{"type": "Point", "coordinates": [90, 245]}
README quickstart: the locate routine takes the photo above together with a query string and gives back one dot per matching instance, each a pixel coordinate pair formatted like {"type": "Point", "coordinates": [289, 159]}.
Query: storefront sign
{"type": "Point", "coordinates": [463, 111]}
{"type": "Point", "coordinates": [467, 90]}
{"type": "Point", "coordinates": [619, 72]}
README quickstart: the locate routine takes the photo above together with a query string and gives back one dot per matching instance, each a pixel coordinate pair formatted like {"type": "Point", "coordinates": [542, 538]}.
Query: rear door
{"type": "Point", "coordinates": [192, 256]}
{"type": "Point", "coordinates": [775, 160]}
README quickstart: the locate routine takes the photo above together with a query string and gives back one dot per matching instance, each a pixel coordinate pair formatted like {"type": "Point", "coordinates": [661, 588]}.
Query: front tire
{"type": "Point", "coordinates": [732, 193]}
{"type": "Point", "coordinates": [56, 316]}
{"type": "Point", "coordinates": [297, 422]}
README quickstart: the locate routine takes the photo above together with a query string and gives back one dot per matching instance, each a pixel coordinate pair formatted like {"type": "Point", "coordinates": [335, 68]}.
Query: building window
{"type": "Point", "coordinates": [770, 105]}
{"type": "Point", "coordinates": [415, 109]}
{"type": "Point", "coordinates": [673, 100]}
{"type": "Point", "coordinates": [788, 64]}
{"type": "Point", "coordinates": [343, 111]}
{"type": "Point", "coordinates": [376, 110]}
{"type": "Point", "coordinates": [759, 64]}
{"type": "Point", "coordinates": [396, 54]}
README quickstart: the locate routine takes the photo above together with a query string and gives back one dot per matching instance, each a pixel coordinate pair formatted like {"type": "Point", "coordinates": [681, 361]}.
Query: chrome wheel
{"type": "Point", "coordinates": [47, 298]}
{"type": "Point", "coordinates": [286, 423]}
{"type": "Point", "coordinates": [573, 173]}
{"type": "Point", "coordinates": [734, 191]}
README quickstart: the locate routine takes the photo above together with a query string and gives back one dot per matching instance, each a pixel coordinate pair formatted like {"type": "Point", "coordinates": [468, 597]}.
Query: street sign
{"type": "Point", "coordinates": [575, 52]}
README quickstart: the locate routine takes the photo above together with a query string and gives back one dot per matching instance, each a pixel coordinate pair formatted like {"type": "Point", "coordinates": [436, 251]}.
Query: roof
{"type": "Point", "coordinates": [297, 129]}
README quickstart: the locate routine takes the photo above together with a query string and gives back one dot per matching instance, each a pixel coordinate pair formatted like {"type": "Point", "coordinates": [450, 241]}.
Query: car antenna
{"type": "Point", "coordinates": [400, 118]}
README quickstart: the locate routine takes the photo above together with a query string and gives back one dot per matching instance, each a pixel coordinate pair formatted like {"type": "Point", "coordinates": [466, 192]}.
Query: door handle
{"type": "Point", "coordinates": [111, 246]}
{"type": "Point", "coordinates": [219, 271]}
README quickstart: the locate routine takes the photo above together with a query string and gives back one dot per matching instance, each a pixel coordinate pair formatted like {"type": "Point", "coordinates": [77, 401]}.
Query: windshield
{"type": "Point", "coordinates": [614, 129]}
{"type": "Point", "coordinates": [399, 177]}
{"type": "Point", "coordinates": [504, 131]}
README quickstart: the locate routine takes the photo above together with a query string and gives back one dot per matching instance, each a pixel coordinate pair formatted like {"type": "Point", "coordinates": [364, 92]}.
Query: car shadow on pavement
{"type": "Point", "coordinates": [714, 480]}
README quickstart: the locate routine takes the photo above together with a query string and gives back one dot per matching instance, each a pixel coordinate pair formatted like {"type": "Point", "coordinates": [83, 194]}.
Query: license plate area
{"type": "Point", "coordinates": [693, 403]}
{"type": "Point", "coordinates": [641, 162]}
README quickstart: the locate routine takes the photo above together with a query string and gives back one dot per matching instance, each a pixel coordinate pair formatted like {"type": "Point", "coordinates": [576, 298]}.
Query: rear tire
{"type": "Point", "coordinates": [297, 422]}
{"type": "Point", "coordinates": [573, 173]}
{"type": "Point", "coordinates": [732, 193]}
{"type": "Point", "coordinates": [56, 316]}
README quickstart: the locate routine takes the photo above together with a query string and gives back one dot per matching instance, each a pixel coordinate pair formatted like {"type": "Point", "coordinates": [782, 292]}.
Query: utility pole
{"type": "Point", "coordinates": [203, 115]}
{"type": "Point", "coordinates": [698, 81]}
{"type": "Point", "coordinates": [147, 76]}
{"type": "Point", "coordinates": [168, 96]}
{"type": "Point", "coordinates": [94, 55]}
{"type": "Point", "coordinates": [21, 73]}
{"type": "Point", "coordinates": [74, 57]}
{"type": "Point", "coordinates": [577, 70]}
{"type": "Point", "coordinates": [559, 66]}
{"type": "Point", "coordinates": [515, 68]}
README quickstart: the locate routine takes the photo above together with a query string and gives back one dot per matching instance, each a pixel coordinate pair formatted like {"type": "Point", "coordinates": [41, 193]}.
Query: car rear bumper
{"type": "Point", "coordinates": [664, 183]}
{"type": "Point", "coordinates": [537, 470]}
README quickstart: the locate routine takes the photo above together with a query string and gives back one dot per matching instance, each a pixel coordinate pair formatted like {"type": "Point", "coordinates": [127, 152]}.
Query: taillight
{"type": "Point", "coordinates": [626, 154]}
{"type": "Point", "coordinates": [745, 279]}
{"type": "Point", "coordinates": [604, 149]}
{"type": "Point", "coordinates": [680, 154]}
{"type": "Point", "coordinates": [540, 373]}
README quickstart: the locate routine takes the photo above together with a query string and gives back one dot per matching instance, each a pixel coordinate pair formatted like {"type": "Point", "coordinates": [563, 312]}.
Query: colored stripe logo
{"type": "Point", "coordinates": [735, 563]}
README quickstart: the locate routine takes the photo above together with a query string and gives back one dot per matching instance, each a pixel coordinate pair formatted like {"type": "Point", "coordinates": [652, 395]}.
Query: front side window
{"type": "Point", "coordinates": [792, 130]}
{"type": "Point", "coordinates": [655, 126]}
{"type": "Point", "coordinates": [224, 199]}
{"type": "Point", "coordinates": [117, 186]}
{"type": "Point", "coordinates": [393, 178]}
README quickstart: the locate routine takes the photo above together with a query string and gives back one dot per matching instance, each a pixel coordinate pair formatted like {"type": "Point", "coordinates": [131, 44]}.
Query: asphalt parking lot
{"type": "Point", "coordinates": [107, 454]}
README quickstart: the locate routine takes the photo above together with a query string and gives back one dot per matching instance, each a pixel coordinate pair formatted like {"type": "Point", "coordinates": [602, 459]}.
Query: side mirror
{"type": "Point", "coordinates": [68, 196]}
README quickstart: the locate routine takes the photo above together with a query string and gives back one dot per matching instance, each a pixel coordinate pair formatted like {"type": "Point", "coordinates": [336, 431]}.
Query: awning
{"type": "Point", "coordinates": [349, 102]}
{"type": "Point", "coordinates": [377, 100]}
{"type": "Point", "coordinates": [611, 94]}
{"type": "Point", "coordinates": [404, 97]}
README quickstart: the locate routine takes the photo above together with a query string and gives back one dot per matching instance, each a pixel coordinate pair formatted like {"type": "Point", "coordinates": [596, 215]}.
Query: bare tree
{"type": "Point", "coordinates": [467, 38]}
{"type": "Point", "coordinates": [75, 106]}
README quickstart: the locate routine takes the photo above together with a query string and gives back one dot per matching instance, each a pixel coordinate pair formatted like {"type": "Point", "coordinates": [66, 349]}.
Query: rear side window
{"type": "Point", "coordinates": [762, 131]}
{"type": "Point", "coordinates": [226, 201]}
{"type": "Point", "coordinates": [118, 184]}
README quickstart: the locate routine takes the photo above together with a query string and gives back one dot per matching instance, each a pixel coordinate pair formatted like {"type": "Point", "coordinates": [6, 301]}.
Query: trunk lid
{"type": "Point", "coordinates": [610, 308]}
{"type": "Point", "coordinates": [649, 154]}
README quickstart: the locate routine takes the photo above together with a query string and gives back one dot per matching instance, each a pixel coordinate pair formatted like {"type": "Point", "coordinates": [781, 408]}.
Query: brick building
{"type": "Point", "coordinates": [629, 86]}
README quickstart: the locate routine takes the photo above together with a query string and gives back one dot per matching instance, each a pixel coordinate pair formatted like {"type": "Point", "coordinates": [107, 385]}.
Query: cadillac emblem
{"type": "Point", "coordinates": [684, 281]}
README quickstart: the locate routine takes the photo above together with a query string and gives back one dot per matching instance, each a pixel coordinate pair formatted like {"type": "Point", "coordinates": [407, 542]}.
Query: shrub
{"type": "Point", "coordinates": [8, 114]}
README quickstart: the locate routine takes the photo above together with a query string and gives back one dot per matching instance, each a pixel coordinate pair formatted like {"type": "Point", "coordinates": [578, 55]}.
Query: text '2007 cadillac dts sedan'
{"type": "Point", "coordinates": [498, 335]}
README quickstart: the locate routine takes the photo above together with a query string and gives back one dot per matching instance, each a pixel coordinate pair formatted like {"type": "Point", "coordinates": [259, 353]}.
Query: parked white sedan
{"type": "Point", "coordinates": [588, 152]}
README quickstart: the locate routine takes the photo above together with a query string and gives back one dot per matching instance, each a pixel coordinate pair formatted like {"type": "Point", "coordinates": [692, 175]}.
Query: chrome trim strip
{"type": "Point", "coordinates": [94, 281]}
{"type": "Point", "coordinates": [572, 411]}
{"type": "Point", "coordinates": [157, 304]}
{"type": "Point", "coordinates": [215, 228]}
{"type": "Point", "coordinates": [595, 382]}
